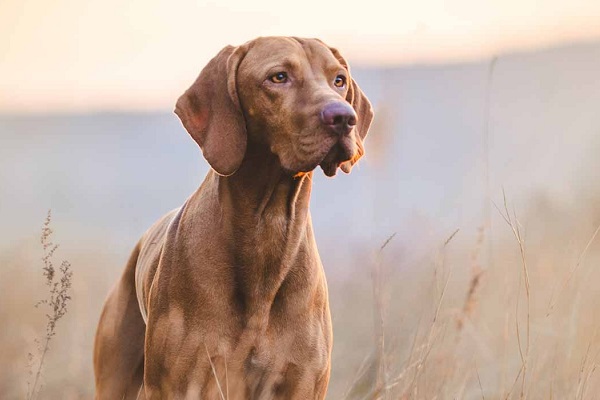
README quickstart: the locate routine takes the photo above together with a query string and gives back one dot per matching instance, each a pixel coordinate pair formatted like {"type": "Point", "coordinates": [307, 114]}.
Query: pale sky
{"type": "Point", "coordinates": [86, 55]}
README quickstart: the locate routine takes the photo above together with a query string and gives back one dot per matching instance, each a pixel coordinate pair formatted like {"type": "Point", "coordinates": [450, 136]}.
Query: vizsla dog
{"type": "Point", "coordinates": [225, 297]}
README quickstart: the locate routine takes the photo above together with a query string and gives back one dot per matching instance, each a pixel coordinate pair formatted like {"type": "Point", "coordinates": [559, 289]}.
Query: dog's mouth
{"type": "Point", "coordinates": [342, 151]}
{"type": "Point", "coordinates": [333, 153]}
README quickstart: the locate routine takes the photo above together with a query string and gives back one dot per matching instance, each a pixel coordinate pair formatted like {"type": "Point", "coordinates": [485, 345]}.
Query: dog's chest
{"type": "Point", "coordinates": [277, 357]}
{"type": "Point", "coordinates": [258, 359]}
{"type": "Point", "coordinates": [272, 366]}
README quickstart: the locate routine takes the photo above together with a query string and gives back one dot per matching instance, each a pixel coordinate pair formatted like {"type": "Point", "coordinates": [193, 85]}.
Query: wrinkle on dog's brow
{"type": "Point", "coordinates": [320, 61]}
{"type": "Point", "coordinates": [307, 50]}
{"type": "Point", "coordinates": [285, 63]}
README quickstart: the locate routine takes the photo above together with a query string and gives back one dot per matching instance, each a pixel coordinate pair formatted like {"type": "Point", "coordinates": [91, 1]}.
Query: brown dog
{"type": "Point", "coordinates": [225, 297]}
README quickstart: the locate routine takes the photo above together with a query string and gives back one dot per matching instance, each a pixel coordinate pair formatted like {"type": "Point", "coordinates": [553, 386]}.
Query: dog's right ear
{"type": "Point", "coordinates": [210, 111]}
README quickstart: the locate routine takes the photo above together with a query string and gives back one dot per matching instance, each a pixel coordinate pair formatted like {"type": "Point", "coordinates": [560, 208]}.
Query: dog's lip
{"type": "Point", "coordinates": [330, 167]}
{"type": "Point", "coordinates": [329, 162]}
{"type": "Point", "coordinates": [328, 144]}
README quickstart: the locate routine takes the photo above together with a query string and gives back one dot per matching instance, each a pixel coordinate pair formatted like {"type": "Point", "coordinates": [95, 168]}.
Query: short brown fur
{"type": "Point", "coordinates": [232, 283]}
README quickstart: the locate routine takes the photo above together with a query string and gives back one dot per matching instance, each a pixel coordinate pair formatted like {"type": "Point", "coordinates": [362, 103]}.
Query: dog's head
{"type": "Point", "coordinates": [294, 97]}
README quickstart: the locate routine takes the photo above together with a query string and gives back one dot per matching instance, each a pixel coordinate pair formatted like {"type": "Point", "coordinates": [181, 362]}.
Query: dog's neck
{"type": "Point", "coordinates": [261, 189]}
{"type": "Point", "coordinates": [268, 224]}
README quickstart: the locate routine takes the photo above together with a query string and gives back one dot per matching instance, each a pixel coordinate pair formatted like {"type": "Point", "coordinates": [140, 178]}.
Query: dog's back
{"type": "Point", "coordinates": [120, 335]}
{"type": "Point", "coordinates": [119, 342]}
{"type": "Point", "coordinates": [151, 248]}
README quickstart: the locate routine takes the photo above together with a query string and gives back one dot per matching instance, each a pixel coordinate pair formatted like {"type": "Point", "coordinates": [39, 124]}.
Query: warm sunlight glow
{"type": "Point", "coordinates": [69, 55]}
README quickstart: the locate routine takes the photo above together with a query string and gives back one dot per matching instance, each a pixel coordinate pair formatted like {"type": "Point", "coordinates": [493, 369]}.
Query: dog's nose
{"type": "Point", "coordinates": [340, 117]}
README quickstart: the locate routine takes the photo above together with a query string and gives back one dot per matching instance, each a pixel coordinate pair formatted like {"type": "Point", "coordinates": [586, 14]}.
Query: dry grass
{"type": "Point", "coordinates": [451, 322]}
{"type": "Point", "coordinates": [513, 335]}
{"type": "Point", "coordinates": [58, 283]}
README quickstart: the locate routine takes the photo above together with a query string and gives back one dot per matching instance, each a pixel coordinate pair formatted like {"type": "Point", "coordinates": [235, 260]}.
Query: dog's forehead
{"type": "Point", "coordinates": [272, 50]}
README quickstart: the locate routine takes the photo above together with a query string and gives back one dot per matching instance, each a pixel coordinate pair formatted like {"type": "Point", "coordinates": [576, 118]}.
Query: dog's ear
{"type": "Point", "coordinates": [210, 112]}
{"type": "Point", "coordinates": [363, 109]}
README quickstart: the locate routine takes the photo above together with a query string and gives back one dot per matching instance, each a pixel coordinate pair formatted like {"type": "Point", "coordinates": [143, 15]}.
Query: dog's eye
{"type": "Point", "coordinates": [279, 77]}
{"type": "Point", "coordinates": [340, 81]}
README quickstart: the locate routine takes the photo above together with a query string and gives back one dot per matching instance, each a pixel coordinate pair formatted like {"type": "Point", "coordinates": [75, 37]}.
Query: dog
{"type": "Point", "coordinates": [225, 297]}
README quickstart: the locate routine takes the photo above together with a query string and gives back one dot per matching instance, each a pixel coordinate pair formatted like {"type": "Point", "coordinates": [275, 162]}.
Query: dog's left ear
{"type": "Point", "coordinates": [364, 112]}
{"type": "Point", "coordinates": [210, 111]}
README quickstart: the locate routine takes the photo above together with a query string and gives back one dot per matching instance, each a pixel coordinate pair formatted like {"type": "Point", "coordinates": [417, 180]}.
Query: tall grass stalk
{"type": "Point", "coordinates": [58, 282]}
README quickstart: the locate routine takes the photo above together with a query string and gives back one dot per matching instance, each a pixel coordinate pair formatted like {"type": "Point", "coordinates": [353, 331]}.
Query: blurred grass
{"type": "Point", "coordinates": [460, 324]}
{"type": "Point", "coordinates": [435, 323]}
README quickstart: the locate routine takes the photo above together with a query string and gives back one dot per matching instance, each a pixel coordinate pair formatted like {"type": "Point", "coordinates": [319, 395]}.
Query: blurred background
{"type": "Point", "coordinates": [482, 166]}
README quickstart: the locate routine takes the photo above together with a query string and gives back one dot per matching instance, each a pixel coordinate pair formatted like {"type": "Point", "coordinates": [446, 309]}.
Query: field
{"type": "Point", "coordinates": [461, 255]}
{"type": "Point", "coordinates": [511, 317]}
